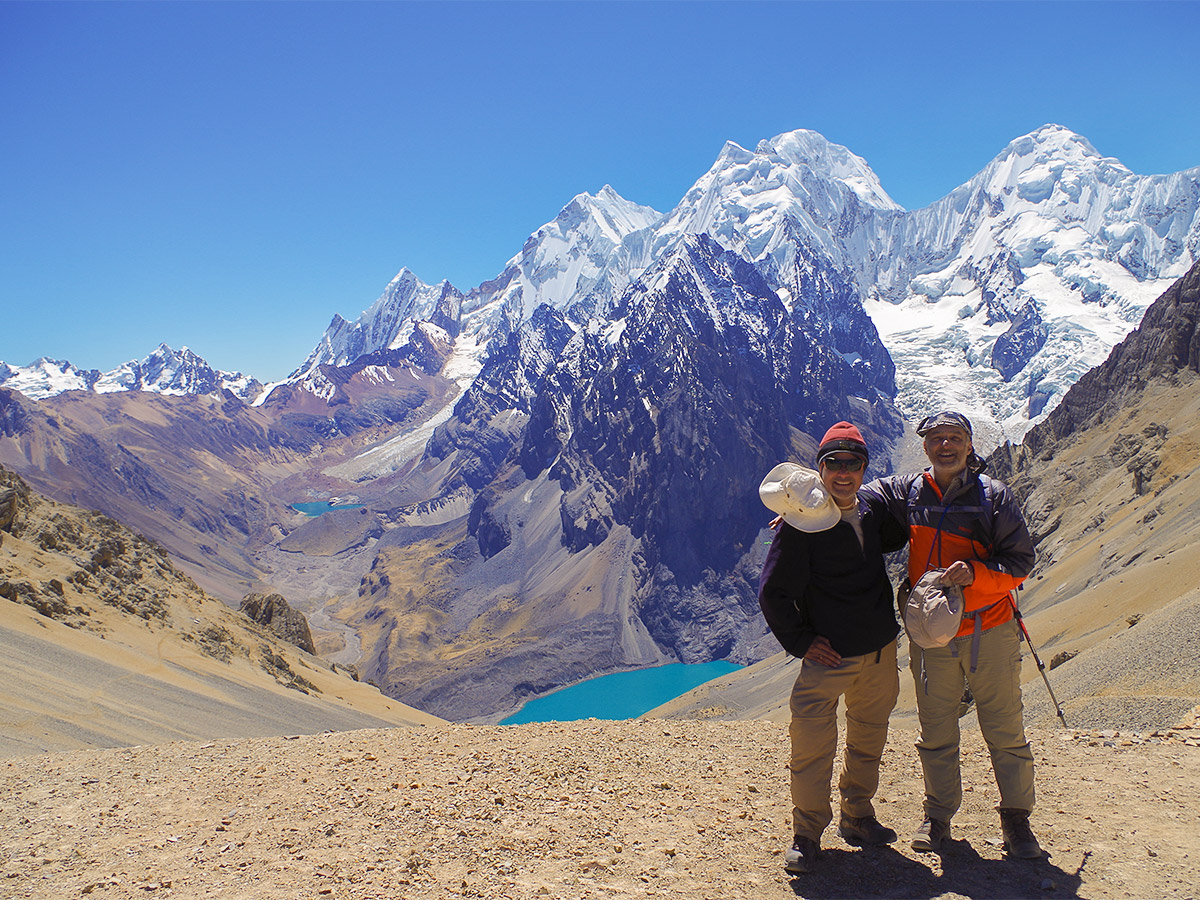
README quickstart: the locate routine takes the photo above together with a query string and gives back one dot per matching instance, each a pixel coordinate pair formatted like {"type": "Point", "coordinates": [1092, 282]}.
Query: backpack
{"type": "Point", "coordinates": [932, 610]}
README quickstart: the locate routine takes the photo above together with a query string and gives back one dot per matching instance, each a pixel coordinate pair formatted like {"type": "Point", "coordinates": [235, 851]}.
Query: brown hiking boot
{"type": "Point", "coordinates": [864, 830]}
{"type": "Point", "coordinates": [802, 856]}
{"type": "Point", "coordinates": [1019, 840]}
{"type": "Point", "coordinates": [929, 837]}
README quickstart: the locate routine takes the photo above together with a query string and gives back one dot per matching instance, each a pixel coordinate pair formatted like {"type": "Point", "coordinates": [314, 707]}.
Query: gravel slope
{"type": "Point", "coordinates": [587, 809]}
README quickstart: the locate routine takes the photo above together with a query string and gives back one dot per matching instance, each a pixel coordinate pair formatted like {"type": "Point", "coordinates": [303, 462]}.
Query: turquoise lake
{"type": "Point", "coordinates": [622, 695]}
{"type": "Point", "coordinates": [324, 506]}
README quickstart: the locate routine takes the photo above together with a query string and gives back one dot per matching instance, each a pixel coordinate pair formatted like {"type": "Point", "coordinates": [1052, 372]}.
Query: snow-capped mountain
{"type": "Point", "coordinates": [994, 299]}
{"type": "Point", "coordinates": [558, 265]}
{"type": "Point", "coordinates": [386, 325]}
{"type": "Point", "coordinates": [999, 296]}
{"type": "Point", "coordinates": [46, 377]}
{"type": "Point", "coordinates": [744, 199]}
{"type": "Point", "coordinates": [803, 210]}
{"type": "Point", "coordinates": [563, 264]}
{"type": "Point", "coordinates": [165, 371]}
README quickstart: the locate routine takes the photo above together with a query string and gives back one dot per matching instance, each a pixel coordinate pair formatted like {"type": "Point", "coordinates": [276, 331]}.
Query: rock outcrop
{"type": "Point", "coordinates": [273, 612]}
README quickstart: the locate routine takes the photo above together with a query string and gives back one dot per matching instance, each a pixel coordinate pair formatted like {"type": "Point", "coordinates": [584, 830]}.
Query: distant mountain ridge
{"type": "Point", "coordinates": [995, 298]}
{"type": "Point", "coordinates": [165, 371]}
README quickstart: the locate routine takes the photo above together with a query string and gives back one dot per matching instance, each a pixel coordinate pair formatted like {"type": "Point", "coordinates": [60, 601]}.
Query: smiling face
{"type": "Point", "coordinates": [842, 483]}
{"type": "Point", "coordinates": [948, 448]}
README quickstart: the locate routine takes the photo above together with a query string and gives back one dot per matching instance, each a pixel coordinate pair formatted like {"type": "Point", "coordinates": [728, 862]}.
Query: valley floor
{"type": "Point", "coordinates": [587, 809]}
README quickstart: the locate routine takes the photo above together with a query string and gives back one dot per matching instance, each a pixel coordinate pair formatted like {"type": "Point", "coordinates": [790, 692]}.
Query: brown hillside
{"type": "Point", "coordinates": [106, 644]}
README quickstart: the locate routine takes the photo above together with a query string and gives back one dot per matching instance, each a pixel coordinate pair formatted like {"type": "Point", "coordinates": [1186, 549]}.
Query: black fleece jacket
{"type": "Point", "coordinates": [826, 583]}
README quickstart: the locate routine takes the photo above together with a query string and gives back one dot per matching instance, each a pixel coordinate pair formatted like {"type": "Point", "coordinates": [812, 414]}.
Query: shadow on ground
{"type": "Point", "coordinates": [885, 872]}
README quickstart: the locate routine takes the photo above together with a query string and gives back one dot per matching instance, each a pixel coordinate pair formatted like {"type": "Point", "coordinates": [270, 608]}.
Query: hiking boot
{"type": "Point", "coordinates": [802, 856]}
{"type": "Point", "coordinates": [929, 837]}
{"type": "Point", "coordinates": [864, 830]}
{"type": "Point", "coordinates": [1019, 840]}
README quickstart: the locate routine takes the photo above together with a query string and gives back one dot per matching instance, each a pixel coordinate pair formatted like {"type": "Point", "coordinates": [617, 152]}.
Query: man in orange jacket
{"type": "Point", "coordinates": [969, 525]}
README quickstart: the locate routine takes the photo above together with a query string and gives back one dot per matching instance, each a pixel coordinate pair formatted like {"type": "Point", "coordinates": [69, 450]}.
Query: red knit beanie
{"type": "Point", "coordinates": [843, 438]}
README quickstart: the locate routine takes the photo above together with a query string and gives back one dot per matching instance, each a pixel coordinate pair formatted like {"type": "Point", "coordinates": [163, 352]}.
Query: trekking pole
{"type": "Point", "coordinates": [1012, 597]}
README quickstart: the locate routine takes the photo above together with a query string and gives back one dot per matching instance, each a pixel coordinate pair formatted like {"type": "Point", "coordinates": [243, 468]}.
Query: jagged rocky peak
{"type": "Point", "coordinates": [745, 197]}
{"type": "Point", "coordinates": [700, 361]}
{"type": "Point", "coordinates": [385, 325]}
{"type": "Point", "coordinates": [563, 262]}
{"type": "Point", "coordinates": [611, 212]}
{"type": "Point", "coordinates": [801, 209]}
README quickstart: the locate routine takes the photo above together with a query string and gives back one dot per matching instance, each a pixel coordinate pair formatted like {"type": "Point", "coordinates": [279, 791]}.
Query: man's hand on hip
{"type": "Point", "coordinates": [820, 652]}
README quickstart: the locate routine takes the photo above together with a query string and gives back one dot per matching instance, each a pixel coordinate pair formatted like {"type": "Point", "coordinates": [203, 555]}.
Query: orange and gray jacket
{"type": "Point", "coordinates": [977, 521]}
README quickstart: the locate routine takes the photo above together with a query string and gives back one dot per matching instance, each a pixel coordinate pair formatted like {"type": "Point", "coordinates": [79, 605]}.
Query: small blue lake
{"type": "Point", "coordinates": [324, 506]}
{"type": "Point", "coordinates": [622, 695]}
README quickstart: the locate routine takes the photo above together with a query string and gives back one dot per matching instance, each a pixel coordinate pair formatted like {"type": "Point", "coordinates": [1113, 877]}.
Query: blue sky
{"type": "Point", "coordinates": [227, 176]}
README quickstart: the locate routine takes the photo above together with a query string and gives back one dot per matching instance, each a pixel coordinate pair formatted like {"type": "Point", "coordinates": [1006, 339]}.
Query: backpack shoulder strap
{"type": "Point", "coordinates": [914, 491]}
{"type": "Point", "coordinates": [987, 491]}
{"type": "Point", "coordinates": [989, 496]}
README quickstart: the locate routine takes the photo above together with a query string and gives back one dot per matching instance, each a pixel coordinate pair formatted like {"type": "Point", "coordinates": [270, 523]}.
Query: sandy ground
{"type": "Point", "coordinates": [588, 809]}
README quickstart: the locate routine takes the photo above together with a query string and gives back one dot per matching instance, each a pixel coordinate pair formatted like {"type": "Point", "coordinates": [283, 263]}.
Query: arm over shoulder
{"type": "Point", "coordinates": [892, 492]}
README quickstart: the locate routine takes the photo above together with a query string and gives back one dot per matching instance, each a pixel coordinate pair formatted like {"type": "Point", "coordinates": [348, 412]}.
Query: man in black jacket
{"type": "Point", "coordinates": [826, 597]}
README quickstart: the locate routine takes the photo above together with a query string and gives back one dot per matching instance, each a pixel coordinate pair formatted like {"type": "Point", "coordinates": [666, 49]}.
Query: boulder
{"type": "Point", "coordinates": [274, 613]}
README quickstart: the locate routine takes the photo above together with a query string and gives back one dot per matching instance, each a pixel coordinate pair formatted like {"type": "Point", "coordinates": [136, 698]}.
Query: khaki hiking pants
{"type": "Point", "coordinates": [870, 687]}
{"type": "Point", "coordinates": [996, 685]}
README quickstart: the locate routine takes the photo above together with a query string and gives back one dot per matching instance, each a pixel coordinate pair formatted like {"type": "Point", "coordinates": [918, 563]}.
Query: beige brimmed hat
{"type": "Point", "coordinates": [797, 494]}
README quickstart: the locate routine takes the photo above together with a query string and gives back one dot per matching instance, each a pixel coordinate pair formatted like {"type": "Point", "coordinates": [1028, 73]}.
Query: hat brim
{"type": "Point", "coordinates": [774, 498]}
{"type": "Point", "coordinates": [822, 521]}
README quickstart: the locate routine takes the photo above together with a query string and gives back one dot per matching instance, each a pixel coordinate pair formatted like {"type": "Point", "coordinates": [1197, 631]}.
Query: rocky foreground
{"type": "Point", "coordinates": [586, 809]}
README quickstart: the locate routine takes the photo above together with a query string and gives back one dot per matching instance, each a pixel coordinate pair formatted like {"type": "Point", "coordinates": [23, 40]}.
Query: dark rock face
{"type": "Point", "coordinates": [661, 418]}
{"type": "Point", "coordinates": [447, 314]}
{"type": "Point", "coordinates": [14, 494]}
{"type": "Point", "coordinates": [998, 282]}
{"type": "Point", "coordinates": [829, 307]}
{"type": "Point", "coordinates": [493, 534]}
{"type": "Point", "coordinates": [14, 420]}
{"type": "Point", "coordinates": [489, 420]}
{"type": "Point", "coordinates": [671, 422]}
{"type": "Point", "coordinates": [1025, 336]}
{"type": "Point", "coordinates": [273, 612]}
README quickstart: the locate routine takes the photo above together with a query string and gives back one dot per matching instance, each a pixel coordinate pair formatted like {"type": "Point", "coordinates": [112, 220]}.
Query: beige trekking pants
{"type": "Point", "coordinates": [996, 685]}
{"type": "Point", "coordinates": [870, 687]}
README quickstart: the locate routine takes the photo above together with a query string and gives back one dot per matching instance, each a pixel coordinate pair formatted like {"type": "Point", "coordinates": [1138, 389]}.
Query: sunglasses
{"type": "Point", "coordinates": [842, 465]}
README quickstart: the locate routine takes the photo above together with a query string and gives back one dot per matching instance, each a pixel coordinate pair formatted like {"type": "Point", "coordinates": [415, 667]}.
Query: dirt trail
{"type": "Point", "coordinates": [587, 809]}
